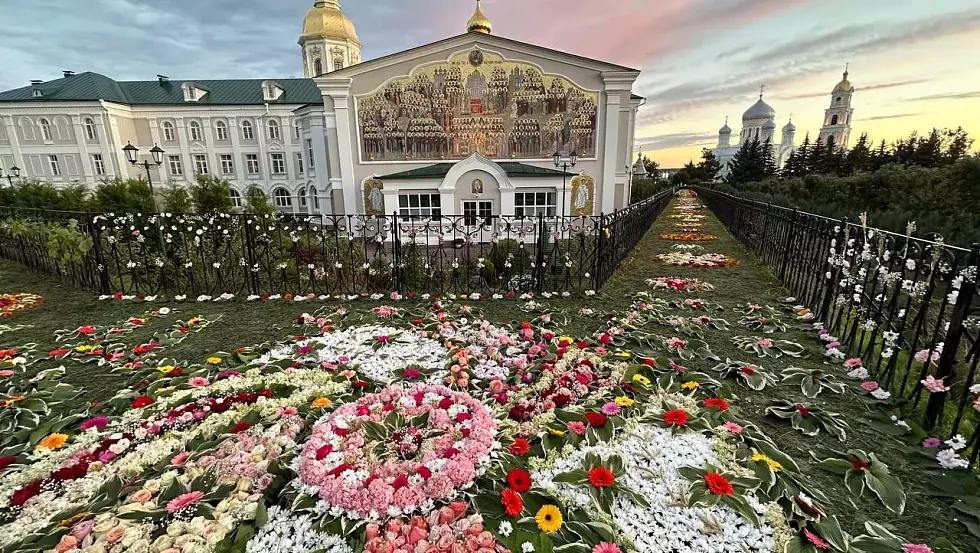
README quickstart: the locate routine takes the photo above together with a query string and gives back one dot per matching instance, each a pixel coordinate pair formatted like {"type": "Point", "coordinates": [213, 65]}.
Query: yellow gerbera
{"type": "Point", "coordinates": [548, 518]}
{"type": "Point", "coordinates": [624, 354]}
{"type": "Point", "coordinates": [568, 339]}
{"type": "Point", "coordinates": [52, 442]}
{"type": "Point", "coordinates": [321, 402]}
{"type": "Point", "coordinates": [214, 360]}
{"type": "Point", "coordinates": [166, 369]}
{"type": "Point", "coordinates": [640, 379]}
{"type": "Point", "coordinates": [773, 464]}
{"type": "Point", "coordinates": [690, 385]}
{"type": "Point", "coordinates": [84, 348]}
{"type": "Point", "coordinates": [624, 401]}
{"type": "Point", "coordinates": [195, 321]}
{"type": "Point", "coordinates": [556, 432]}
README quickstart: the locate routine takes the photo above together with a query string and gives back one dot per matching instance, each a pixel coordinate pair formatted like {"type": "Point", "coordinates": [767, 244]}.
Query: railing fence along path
{"type": "Point", "coordinates": [909, 307]}
{"type": "Point", "coordinates": [331, 255]}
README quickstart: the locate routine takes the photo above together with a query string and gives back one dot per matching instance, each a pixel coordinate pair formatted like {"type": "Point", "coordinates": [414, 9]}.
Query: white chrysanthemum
{"type": "Point", "coordinates": [288, 532]}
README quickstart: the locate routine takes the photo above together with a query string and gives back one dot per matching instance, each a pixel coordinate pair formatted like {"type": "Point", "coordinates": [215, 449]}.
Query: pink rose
{"type": "Point", "coordinates": [445, 541]}
{"type": "Point", "coordinates": [869, 386]}
{"type": "Point", "coordinates": [934, 385]}
{"type": "Point", "coordinates": [485, 539]}
{"type": "Point", "coordinates": [115, 534]}
{"type": "Point", "coordinates": [446, 515]}
{"type": "Point", "coordinates": [765, 342]}
{"type": "Point", "coordinates": [853, 363]}
{"type": "Point", "coordinates": [415, 535]}
{"type": "Point", "coordinates": [371, 531]}
{"type": "Point", "coordinates": [419, 522]}
{"type": "Point", "coordinates": [458, 507]}
{"type": "Point", "coordinates": [394, 526]}
{"type": "Point", "coordinates": [67, 542]}
{"type": "Point", "coordinates": [141, 496]}
{"type": "Point", "coordinates": [83, 529]}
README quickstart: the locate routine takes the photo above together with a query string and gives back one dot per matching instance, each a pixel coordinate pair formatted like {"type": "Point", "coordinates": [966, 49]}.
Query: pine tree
{"type": "Point", "coordinates": [814, 161]}
{"type": "Point", "coordinates": [958, 144]}
{"type": "Point", "coordinates": [859, 157]}
{"type": "Point", "coordinates": [747, 165]}
{"type": "Point", "coordinates": [880, 156]}
{"type": "Point", "coordinates": [768, 162]}
{"type": "Point", "coordinates": [928, 150]}
{"type": "Point", "coordinates": [796, 165]}
{"type": "Point", "coordinates": [709, 166]}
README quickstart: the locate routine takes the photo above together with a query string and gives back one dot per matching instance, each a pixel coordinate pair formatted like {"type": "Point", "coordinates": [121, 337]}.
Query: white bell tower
{"type": "Point", "coordinates": [836, 128]}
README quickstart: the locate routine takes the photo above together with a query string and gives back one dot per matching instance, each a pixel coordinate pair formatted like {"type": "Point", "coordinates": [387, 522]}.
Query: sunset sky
{"type": "Point", "coordinates": [914, 62]}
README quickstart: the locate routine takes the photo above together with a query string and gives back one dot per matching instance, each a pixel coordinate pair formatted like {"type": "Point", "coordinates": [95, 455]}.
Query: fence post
{"type": "Point", "coordinates": [600, 235]}
{"type": "Point", "coordinates": [539, 261]}
{"type": "Point", "coordinates": [788, 246]}
{"type": "Point", "coordinates": [396, 246]}
{"type": "Point", "coordinates": [253, 278]}
{"type": "Point", "coordinates": [946, 370]}
{"type": "Point", "coordinates": [94, 231]}
{"type": "Point", "coordinates": [831, 288]}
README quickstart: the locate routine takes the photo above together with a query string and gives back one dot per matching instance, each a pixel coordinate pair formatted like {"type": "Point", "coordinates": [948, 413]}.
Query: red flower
{"type": "Point", "coordinates": [716, 402]}
{"type": "Point", "coordinates": [803, 411]}
{"type": "Point", "coordinates": [424, 472]}
{"type": "Point", "coordinates": [400, 482]}
{"type": "Point", "coordinates": [512, 502]}
{"type": "Point", "coordinates": [142, 401]}
{"type": "Point", "coordinates": [858, 464]}
{"type": "Point", "coordinates": [57, 352]}
{"type": "Point", "coordinates": [520, 447]}
{"type": "Point", "coordinates": [718, 484]}
{"type": "Point", "coordinates": [519, 480]}
{"type": "Point", "coordinates": [6, 461]}
{"type": "Point", "coordinates": [241, 426]}
{"type": "Point", "coordinates": [748, 371]}
{"type": "Point", "coordinates": [597, 420]}
{"type": "Point", "coordinates": [601, 477]}
{"type": "Point", "coordinates": [650, 362]}
{"type": "Point", "coordinates": [816, 540]}
{"type": "Point", "coordinates": [677, 417]}
{"type": "Point", "coordinates": [87, 329]}
{"type": "Point", "coordinates": [323, 451]}
{"type": "Point", "coordinates": [22, 495]}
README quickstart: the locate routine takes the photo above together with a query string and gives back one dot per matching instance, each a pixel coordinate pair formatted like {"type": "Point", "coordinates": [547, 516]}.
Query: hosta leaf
{"type": "Point", "coordinates": [888, 488]}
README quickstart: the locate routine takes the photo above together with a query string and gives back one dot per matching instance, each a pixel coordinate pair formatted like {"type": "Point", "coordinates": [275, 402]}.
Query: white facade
{"type": "Point", "coordinates": [836, 128]}
{"type": "Point", "coordinates": [758, 123]}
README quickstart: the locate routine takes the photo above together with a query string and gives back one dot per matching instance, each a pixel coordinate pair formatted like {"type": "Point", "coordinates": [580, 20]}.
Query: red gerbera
{"type": "Point", "coordinates": [240, 427]}
{"type": "Point", "coordinates": [512, 502]}
{"type": "Point", "coordinates": [520, 447]}
{"type": "Point", "coordinates": [677, 417]}
{"type": "Point", "coordinates": [718, 484]}
{"type": "Point", "coordinates": [816, 540]}
{"type": "Point", "coordinates": [748, 371]}
{"type": "Point", "coordinates": [142, 401]}
{"type": "Point", "coordinates": [601, 477]}
{"type": "Point", "coordinates": [858, 464]}
{"type": "Point", "coordinates": [597, 420]}
{"type": "Point", "coordinates": [717, 402]}
{"type": "Point", "coordinates": [6, 461]}
{"type": "Point", "coordinates": [519, 480]}
{"type": "Point", "coordinates": [803, 411]}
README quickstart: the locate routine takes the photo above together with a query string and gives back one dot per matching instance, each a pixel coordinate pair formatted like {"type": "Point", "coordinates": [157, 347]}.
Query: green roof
{"type": "Point", "coordinates": [440, 170]}
{"type": "Point", "coordinates": [93, 87]}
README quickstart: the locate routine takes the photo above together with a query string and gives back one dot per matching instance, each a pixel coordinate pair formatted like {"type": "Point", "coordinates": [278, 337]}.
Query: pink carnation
{"type": "Point", "coordinates": [765, 342]}
{"type": "Point", "coordinates": [179, 459]}
{"type": "Point", "coordinates": [198, 382]}
{"type": "Point", "coordinates": [612, 408]}
{"type": "Point", "coordinates": [732, 427]}
{"type": "Point", "coordinates": [916, 548]}
{"type": "Point", "coordinates": [853, 363]}
{"type": "Point", "coordinates": [923, 356]}
{"type": "Point", "coordinates": [869, 386]}
{"type": "Point", "coordinates": [934, 385]}
{"type": "Point", "coordinates": [184, 501]}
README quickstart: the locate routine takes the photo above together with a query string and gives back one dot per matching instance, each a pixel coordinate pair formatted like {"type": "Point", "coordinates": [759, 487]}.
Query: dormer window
{"type": "Point", "coordinates": [193, 93]}
{"type": "Point", "coordinates": [37, 93]}
{"type": "Point", "coordinates": [271, 91]}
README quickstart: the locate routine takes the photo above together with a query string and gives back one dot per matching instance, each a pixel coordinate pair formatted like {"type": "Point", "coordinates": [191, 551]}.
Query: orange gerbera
{"type": "Point", "coordinates": [52, 442]}
{"type": "Point", "coordinates": [321, 402]}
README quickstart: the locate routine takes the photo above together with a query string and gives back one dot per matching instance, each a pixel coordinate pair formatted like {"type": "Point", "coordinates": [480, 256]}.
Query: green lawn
{"type": "Point", "coordinates": [237, 324]}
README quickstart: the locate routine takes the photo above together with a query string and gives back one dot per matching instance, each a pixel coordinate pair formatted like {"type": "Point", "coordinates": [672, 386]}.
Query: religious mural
{"type": "Point", "coordinates": [477, 102]}
{"type": "Point", "coordinates": [374, 203]}
{"type": "Point", "coordinates": [583, 195]}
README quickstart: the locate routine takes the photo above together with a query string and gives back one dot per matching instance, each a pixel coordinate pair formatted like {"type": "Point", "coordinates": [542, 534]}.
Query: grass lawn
{"type": "Point", "coordinates": [240, 324]}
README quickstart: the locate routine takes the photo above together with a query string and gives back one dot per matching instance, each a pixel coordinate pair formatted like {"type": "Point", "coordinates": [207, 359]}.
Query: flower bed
{"type": "Point", "coordinates": [688, 237]}
{"type": "Point", "coordinates": [701, 261]}
{"type": "Point", "coordinates": [15, 303]}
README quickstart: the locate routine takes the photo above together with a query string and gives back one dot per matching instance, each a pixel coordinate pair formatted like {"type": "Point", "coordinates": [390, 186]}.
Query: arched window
{"type": "Point", "coordinates": [45, 128]}
{"type": "Point", "coordinates": [196, 133]}
{"type": "Point", "coordinates": [301, 194]}
{"type": "Point", "coordinates": [282, 197]}
{"type": "Point", "coordinates": [338, 64]}
{"type": "Point", "coordinates": [221, 130]}
{"type": "Point", "coordinates": [248, 132]}
{"type": "Point", "coordinates": [317, 67]}
{"type": "Point", "coordinates": [296, 130]}
{"type": "Point", "coordinates": [314, 197]}
{"type": "Point", "coordinates": [168, 132]}
{"type": "Point", "coordinates": [833, 120]}
{"type": "Point", "coordinates": [831, 141]}
{"type": "Point", "coordinates": [90, 131]}
{"type": "Point", "coordinates": [274, 131]}
{"type": "Point", "coordinates": [236, 198]}
{"type": "Point", "coordinates": [27, 128]}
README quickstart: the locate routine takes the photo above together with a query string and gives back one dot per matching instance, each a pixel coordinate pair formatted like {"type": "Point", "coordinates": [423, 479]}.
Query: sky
{"type": "Point", "coordinates": [913, 62]}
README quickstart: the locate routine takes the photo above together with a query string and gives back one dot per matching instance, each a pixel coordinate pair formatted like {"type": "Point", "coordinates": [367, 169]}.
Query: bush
{"type": "Point", "coordinates": [123, 196]}
{"type": "Point", "coordinates": [41, 195]}
{"type": "Point", "coordinates": [211, 194]}
{"type": "Point", "coordinates": [258, 202]}
{"type": "Point", "coordinates": [177, 200]}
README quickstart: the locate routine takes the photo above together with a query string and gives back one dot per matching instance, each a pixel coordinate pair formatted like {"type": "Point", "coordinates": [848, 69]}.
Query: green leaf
{"type": "Point", "coordinates": [836, 466]}
{"type": "Point", "coordinates": [888, 488]}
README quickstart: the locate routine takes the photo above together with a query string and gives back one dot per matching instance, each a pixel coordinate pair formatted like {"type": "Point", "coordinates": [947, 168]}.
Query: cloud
{"type": "Point", "coordinates": [946, 96]}
{"type": "Point", "coordinates": [675, 140]}
{"type": "Point", "coordinates": [860, 89]}
{"type": "Point", "coordinates": [893, 116]}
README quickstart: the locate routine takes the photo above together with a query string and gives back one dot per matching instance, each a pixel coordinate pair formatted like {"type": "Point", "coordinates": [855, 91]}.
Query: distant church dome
{"type": "Point", "coordinates": [845, 85]}
{"type": "Point", "coordinates": [479, 23]}
{"type": "Point", "coordinates": [759, 110]}
{"type": "Point", "coordinates": [769, 125]}
{"type": "Point", "coordinates": [726, 129]}
{"type": "Point", "coordinates": [325, 20]}
{"type": "Point", "coordinates": [790, 127]}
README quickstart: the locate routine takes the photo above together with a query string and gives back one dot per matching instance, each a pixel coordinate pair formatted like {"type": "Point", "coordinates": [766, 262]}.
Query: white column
{"type": "Point", "coordinates": [113, 163]}
{"type": "Point", "coordinates": [339, 91]}
{"type": "Point", "coordinates": [19, 161]}
{"type": "Point", "coordinates": [88, 172]}
{"type": "Point", "coordinates": [234, 128]}
{"type": "Point", "coordinates": [321, 170]}
{"type": "Point", "coordinates": [617, 90]}
{"type": "Point", "coordinates": [185, 154]}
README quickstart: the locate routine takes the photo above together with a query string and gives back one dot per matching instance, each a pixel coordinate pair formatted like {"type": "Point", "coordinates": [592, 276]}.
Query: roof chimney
{"type": "Point", "coordinates": [69, 73]}
{"type": "Point", "coordinates": [36, 82]}
{"type": "Point", "coordinates": [163, 79]}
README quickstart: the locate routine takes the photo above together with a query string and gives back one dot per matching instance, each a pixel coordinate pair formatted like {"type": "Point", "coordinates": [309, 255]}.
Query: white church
{"type": "Point", "coordinates": [759, 123]}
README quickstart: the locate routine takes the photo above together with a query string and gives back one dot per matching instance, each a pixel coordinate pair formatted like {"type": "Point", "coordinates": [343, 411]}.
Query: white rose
{"type": "Point", "coordinates": [198, 526]}
{"type": "Point", "coordinates": [152, 485]}
{"type": "Point", "coordinates": [176, 530]}
{"type": "Point", "coordinates": [163, 542]}
{"type": "Point", "coordinates": [140, 546]}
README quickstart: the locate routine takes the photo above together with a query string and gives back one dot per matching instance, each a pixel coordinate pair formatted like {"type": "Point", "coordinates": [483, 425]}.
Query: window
{"type": "Point", "coordinates": [282, 198]}
{"type": "Point", "coordinates": [168, 132]}
{"type": "Point", "coordinates": [417, 206]}
{"type": "Point", "coordinates": [221, 130]}
{"type": "Point", "coordinates": [55, 166]}
{"type": "Point", "coordinates": [302, 196]}
{"type": "Point", "coordinates": [833, 120]}
{"type": "Point", "coordinates": [99, 164]}
{"type": "Point", "coordinates": [252, 164]}
{"type": "Point", "coordinates": [45, 128]}
{"type": "Point", "coordinates": [90, 129]}
{"type": "Point", "coordinates": [309, 149]}
{"type": "Point", "coordinates": [274, 131]}
{"type": "Point", "coordinates": [296, 130]}
{"type": "Point", "coordinates": [278, 164]}
{"type": "Point", "coordinates": [236, 198]}
{"type": "Point", "coordinates": [299, 163]}
{"type": "Point", "coordinates": [477, 213]}
{"type": "Point", "coordinates": [317, 67]}
{"type": "Point", "coordinates": [196, 133]}
{"type": "Point", "coordinates": [227, 164]}
{"type": "Point", "coordinates": [338, 64]}
{"type": "Point", "coordinates": [248, 132]}
{"type": "Point", "coordinates": [532, 204]}
{"type": "Point", "coordinates": [315, 197]}
{"type": "Point", "coordinates": [27, 128]}
{"type": "Point", "coordinates": [201, 164]}
{"type": "Point", "coordinates": [838, 99]}
{"type": "Point", "coordinates": [175, 167]}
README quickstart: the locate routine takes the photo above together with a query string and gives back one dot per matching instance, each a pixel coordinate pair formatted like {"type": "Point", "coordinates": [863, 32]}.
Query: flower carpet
{"type": "Point", "coordinates": [687, 418]}
{"type": "Point", "coordinates": [15, 303]}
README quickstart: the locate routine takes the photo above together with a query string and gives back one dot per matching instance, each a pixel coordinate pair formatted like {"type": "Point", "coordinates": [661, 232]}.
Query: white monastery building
{"type": "Point", "coordinates": [466, 125]}
{"type": "Point", "coordinates": [759, 122]}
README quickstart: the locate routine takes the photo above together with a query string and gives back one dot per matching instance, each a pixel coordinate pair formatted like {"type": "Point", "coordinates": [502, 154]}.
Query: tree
{"type": "Point", "coordinates": [211, 194]}
{"type": "Point", "coordinates": [880, 156]}
{"type": "Point", "coordinates": [652, 169]}
{"type": "Point", "coordinates": [123, 196]}
{"type": "Point", "coordinates": [957, 144]}
{"type": "Point", "coordinates": [709, 166]}
{"type": "Point", "coordinates": [859, 157]}
{"type": "Point", "coordinates": [797, 163]}
{"type": "Point", "coordinates": [750, 163]}
{"type": "Point", "coordinates": [176, 199]}
{"type": "Point", "coordinates": [258, 202]}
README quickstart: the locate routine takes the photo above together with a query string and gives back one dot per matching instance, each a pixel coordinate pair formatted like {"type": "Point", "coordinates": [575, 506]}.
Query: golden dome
{"type": "Point", "coordinates": [845, 85]}
{"type": "Point", "coordinates": [479, 22]}
{"type": "Point", "coordinates": [325, 20]}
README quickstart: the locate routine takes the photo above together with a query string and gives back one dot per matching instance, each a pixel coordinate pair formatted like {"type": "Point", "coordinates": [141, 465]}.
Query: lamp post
{"type": "Point", "coordinates": [13, 172]}
{"type": "Point", "coordinates": [564, 163]}
{"type": "Point", "coordinates": [132, 155]}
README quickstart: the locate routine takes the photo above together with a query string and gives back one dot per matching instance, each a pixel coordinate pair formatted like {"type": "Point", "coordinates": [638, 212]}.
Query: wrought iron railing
{"type": "Point", "coordinates": [909, 307]}
{"type": "Point", "coordinates": [325, 255]}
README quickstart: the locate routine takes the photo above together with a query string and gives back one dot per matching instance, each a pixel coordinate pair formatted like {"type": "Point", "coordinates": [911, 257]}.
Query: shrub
{"type": "Point", "coordinates": [176, 199]}
{"type": "Point", "coordinates": [258, 202]}
{"type": "Point", "coordinates": [123, 196]}
{"type": "Point", "coordinates": [211, 194]}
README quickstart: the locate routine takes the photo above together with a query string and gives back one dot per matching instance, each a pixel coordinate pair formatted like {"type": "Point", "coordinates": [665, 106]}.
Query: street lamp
{"type": "Point", "coordinates": [564, 163]}
{"type": "Point", "coordinates": [132, 155]}
{"type": "Point", "coordinates": [13, 172]}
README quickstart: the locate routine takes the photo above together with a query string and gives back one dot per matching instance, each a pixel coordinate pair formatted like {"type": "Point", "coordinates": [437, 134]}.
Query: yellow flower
{"type": "Point", "coordinates": [568, 339]}
{"type": "Point", "coordinates": [84, 348]}
{"type": "Point", "coordinates": [214, 360]}
{"type": "Point", "coordinates": [690, 385]}
{"type": "Point", "coordinates": [462, 296]}
{"type": "Point", "coordinates": [624, 401]}
{"type": "Point", "coordinates": [195, 321]}
{"type": "Point", "coordinates": [548, 518]}
{"type": "Point", "coordinates": [166, 369]}
{"type": "Point", "coordinates": [640, 379]}
{"type": "Point", "coordinates": [321, 402]}
{"type": "Point", "coordinates": [556, 432]}
{"type": "Point", "coordinates": [52, 442]}
{"type": "Point", "coordinates": [622, 354]}
{"type": "Point", "coordinates": [773, 464]}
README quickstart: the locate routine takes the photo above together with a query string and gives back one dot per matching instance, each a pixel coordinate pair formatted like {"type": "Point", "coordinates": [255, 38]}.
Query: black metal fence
{"type": "Point", "coordinates": [325, 255]}
{"type": "Point", "coordinates": [909, 307]}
